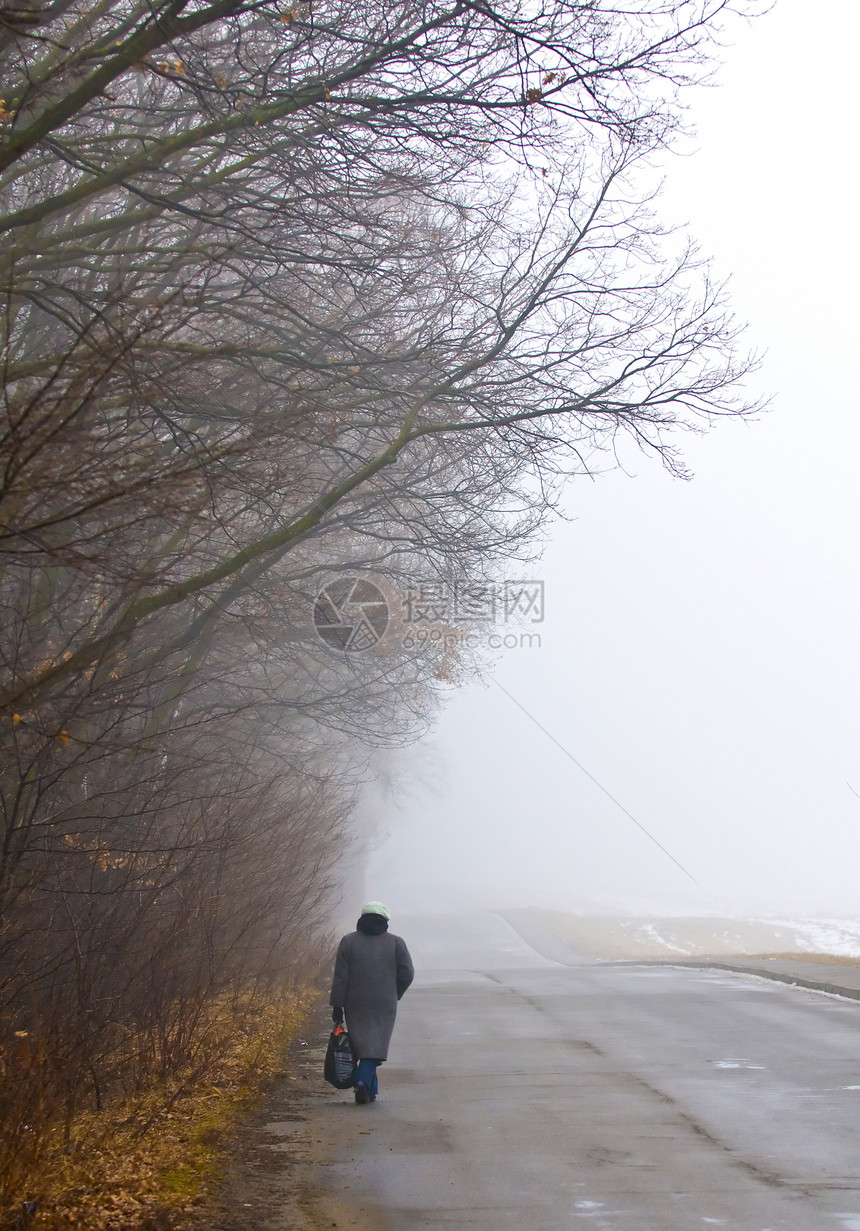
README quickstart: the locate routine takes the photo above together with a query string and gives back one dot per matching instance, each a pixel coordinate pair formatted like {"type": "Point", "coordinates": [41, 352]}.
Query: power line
{"type": "Point", "coordinates": [599, 785]}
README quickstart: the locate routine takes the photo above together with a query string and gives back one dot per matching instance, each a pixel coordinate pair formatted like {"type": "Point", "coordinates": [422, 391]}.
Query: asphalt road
{"type": "Point", "coordinates": [541, 1091]}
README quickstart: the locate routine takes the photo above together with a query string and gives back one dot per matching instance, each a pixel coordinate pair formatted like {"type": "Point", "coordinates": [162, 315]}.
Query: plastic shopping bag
{"type": "Point", "coordinates": [339, 1067]}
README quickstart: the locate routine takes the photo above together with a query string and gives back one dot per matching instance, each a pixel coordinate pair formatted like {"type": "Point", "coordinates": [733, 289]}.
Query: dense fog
{"type": "Point", "coordinates": [699, 648]}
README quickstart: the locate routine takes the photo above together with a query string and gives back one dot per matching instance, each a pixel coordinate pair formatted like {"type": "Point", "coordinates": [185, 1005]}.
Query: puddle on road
{"type": "Point", "coordinates": [737, 1064]}
{"type": "Point", "coordinates": [588, 1209]}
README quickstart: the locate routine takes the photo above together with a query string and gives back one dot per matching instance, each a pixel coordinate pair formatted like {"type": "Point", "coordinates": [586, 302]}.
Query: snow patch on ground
{"type": "Point", "coordinates": [840, 937]}
{"type": "Point", "coordinates": [649, 930]}
{"type": "Point", "coordinates": [626, 937]}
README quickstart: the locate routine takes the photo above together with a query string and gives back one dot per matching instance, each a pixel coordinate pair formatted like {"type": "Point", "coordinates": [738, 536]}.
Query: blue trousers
{"type": "Point", "coordinates": [366, 1072]}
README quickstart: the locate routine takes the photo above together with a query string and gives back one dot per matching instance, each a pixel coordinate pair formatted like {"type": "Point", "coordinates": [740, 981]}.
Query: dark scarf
{"type": "Point", "coordinates": [372, 925]}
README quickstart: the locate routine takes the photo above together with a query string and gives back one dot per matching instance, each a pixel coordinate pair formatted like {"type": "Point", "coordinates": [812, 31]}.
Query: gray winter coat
{"type": "Point", "coordinates": [371, 973]}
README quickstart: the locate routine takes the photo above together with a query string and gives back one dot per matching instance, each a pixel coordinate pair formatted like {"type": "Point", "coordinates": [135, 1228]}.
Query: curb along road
{"type": "Point", "coordinates": [815, 976]}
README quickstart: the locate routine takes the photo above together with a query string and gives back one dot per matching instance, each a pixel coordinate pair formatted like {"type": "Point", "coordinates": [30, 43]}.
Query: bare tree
{"type": "Point", "coordinates": [288, 292]}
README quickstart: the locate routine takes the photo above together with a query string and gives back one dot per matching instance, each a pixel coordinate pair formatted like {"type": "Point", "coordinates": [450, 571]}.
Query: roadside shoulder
{"type": "Point", "coordinates": [817, 976]}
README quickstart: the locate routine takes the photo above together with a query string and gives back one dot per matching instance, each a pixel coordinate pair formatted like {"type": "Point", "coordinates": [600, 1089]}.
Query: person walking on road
{"type": "Point", "coordinates": [372, 970]}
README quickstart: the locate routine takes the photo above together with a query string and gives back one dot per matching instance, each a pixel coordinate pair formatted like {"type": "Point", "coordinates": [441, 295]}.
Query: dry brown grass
{"type": "Point", "coordinates": [147, 1163]}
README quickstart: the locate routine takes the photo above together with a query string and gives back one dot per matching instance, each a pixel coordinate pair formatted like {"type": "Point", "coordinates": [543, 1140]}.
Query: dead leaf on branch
{"type": "Point", "coordinates": [172, 68]}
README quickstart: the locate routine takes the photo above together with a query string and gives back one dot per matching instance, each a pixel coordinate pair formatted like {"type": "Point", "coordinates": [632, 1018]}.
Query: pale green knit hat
{"type": "Point", "coordinates": [376, 908]}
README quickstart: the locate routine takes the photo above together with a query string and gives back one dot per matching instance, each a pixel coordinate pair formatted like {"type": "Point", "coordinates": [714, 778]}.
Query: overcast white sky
{"type": "Point", "coordinates": [700, 649]}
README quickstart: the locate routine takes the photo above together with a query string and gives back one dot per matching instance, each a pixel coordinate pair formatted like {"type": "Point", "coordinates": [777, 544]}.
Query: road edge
{"type": "Point", "coordinates": [761, 972]}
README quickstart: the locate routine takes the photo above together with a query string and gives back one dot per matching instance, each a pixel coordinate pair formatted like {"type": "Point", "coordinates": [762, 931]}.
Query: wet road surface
{"type": "Point", "coordinates": [540, 1091]}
